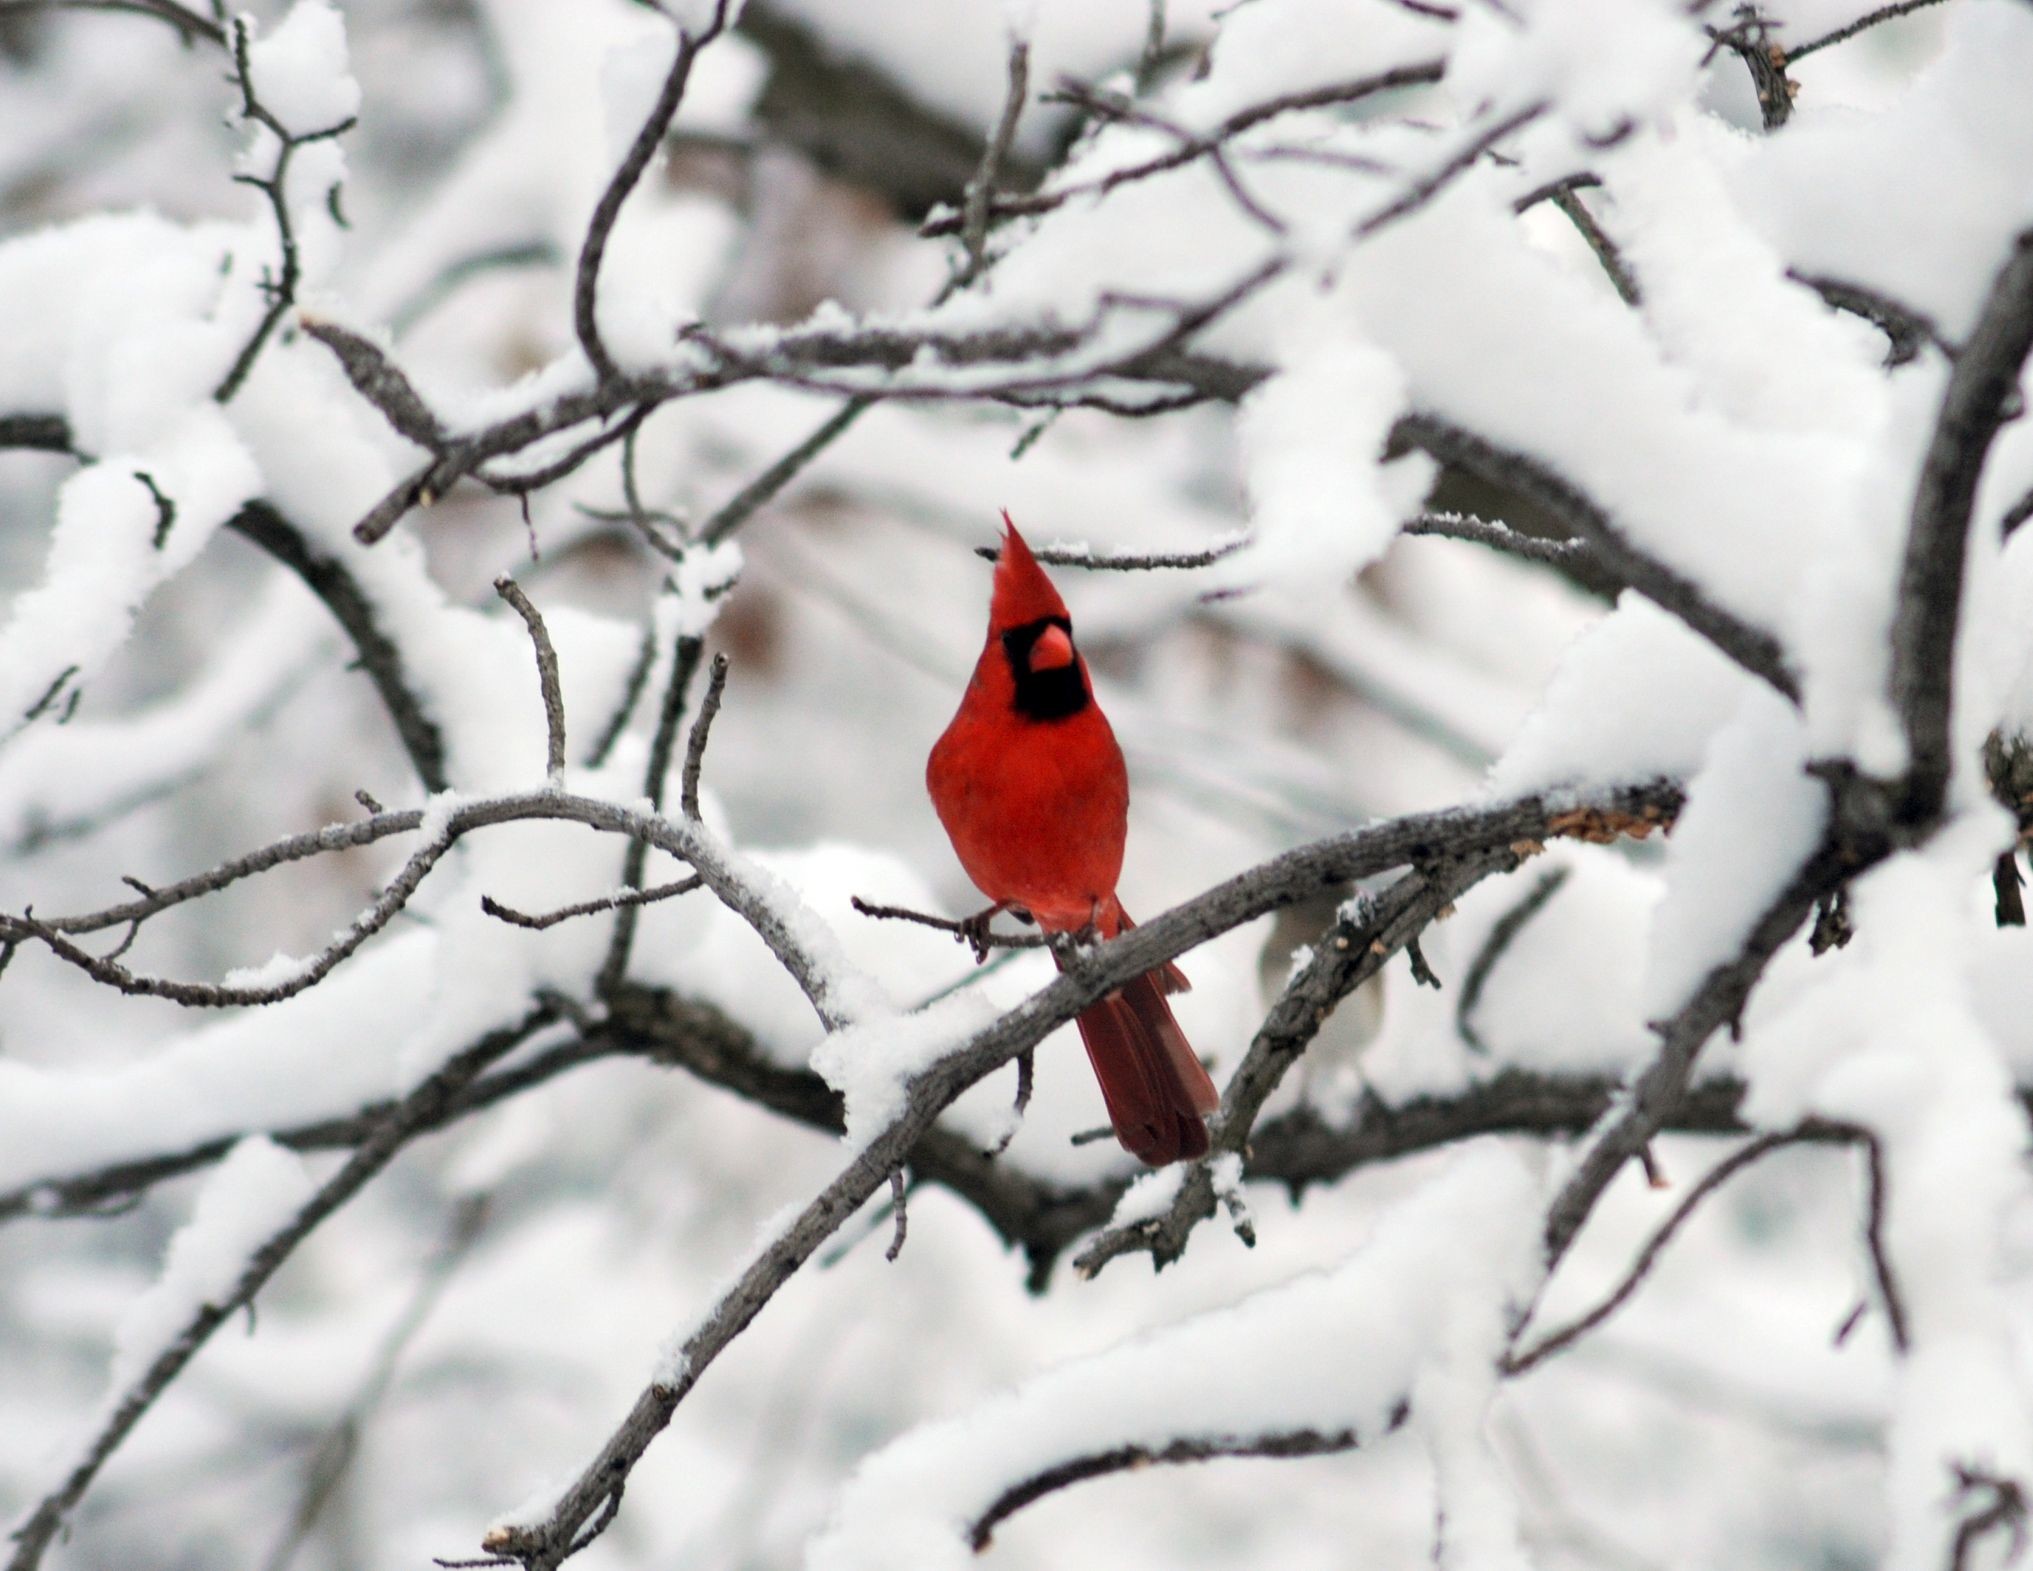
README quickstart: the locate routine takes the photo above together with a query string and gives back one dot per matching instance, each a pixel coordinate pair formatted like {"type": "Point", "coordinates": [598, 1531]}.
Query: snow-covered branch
{"type": "Point", "coordinates": [190, 1325]}
{"type": "Point", "coordinates": [1981, 391]}
{"type": "Point", "coordinates": [1473, 446]}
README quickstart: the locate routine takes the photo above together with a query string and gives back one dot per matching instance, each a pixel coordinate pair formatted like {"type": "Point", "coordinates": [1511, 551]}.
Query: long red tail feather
{"type": "Point", "coordinates": [1158, 1094]}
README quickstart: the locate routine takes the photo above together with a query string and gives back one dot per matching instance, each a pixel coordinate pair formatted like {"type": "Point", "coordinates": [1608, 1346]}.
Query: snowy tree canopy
{"type": "Point", "coordinates": [492, 498]}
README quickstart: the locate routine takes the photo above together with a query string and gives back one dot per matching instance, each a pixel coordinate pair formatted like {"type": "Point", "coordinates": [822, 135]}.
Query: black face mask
{"type": "Point", "coordinates": [1053, 694]}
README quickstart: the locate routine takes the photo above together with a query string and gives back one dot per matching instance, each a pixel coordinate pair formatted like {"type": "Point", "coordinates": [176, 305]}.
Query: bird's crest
{"type": "Point", "coordinates": [1023, 593]}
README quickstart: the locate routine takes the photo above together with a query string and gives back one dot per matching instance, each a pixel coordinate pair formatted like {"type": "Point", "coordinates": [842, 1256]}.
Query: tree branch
{"type": "Point", "coordinates": [1417, 73]}
{"type": "Point", "coordinates": [409, 1117]}
{"type": "Point", "coordinates": [274, 186]}
{"type": "Point", "coordinates": [981, 189]}
{"type": "Point", "coordinates": [37, 433]}
{"type": "Point", "coordinates": [1717, 1001]}
{"type": "Point", "coordinates": [1869, 19]}
{"type": "Point", "coordinates": [188, 23]}
{"type": "Point", "coordinates": [1756, 650]}
{"type": "Point", "coordinates": [1502, 934]}
{"type": "Point", "coordinates": [381, 658]}
{"type": "Point", "coordinates": [689, 842]}
{"type": "Point", "coordinates": [1199, 1448]}
{"type": "Point", "coordinates": [1621, 278]}
{"type": "Point", "coordinates": [547, 676]}
{"type": "Point", "coordinates": [635, 864]}
{"type": "Point", "coordinates": [546, 1543]}
{"type": "Point", "coordinates": [323, 575]}
{"type": "Point", "coordinates": [1500, 537]}
{"type": "Point", "coordinates": [1359, 944]}
{"type": "Point", "coordinates": [1906, 330]}
{"type": "Point", "coordinates": [1556, 1341]}
{"type": "Point", "coordinates": [1973, 409]}
{"type": "Point", "coordinates": [593, 250]}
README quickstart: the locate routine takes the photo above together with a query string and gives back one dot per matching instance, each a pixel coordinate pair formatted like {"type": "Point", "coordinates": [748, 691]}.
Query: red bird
{"type": "Point", "coordinates": [1030, 784]}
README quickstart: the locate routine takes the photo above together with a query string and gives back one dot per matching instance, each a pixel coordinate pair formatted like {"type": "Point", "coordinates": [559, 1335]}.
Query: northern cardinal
{"type": "Point", "coordinates": [1030, 784]}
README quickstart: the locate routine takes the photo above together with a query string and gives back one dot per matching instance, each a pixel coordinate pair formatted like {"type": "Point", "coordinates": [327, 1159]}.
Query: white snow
{"type": "Point", "coordinates": [1638, 695]}
{"type": "Point", "coordinates": [321, 1054]}
{"type": "Point", "coordinates": [57, 780]}
{"type": "Point", "coordinates": [697, 587]}
{"type": "Point", "coordinates": [1330, 1352]}
{"type": "Point", "coordinates": [872, 1064]}
{"type": "Point", "coordinates": [1733, 426]}
{"type": "Point", "coordinates": [1603, 62]}
{"type": "Point", "coordinates": [1149, 1197]}
{"type": "Point", "coordinates": [1753, 816]}
{"type": "Point", "coordinates": [104, 559]}
{"type": "Point", "coordinates": [1323, 505]}
{"type": "Point", "coordinates": [301, 73]}
{"type": "Point", "coordinates": [250, 1195]}
{"type": "Point", "coordinates": [1887, 1037]}
{"type": "Point", "coordinates": [1861, 195]}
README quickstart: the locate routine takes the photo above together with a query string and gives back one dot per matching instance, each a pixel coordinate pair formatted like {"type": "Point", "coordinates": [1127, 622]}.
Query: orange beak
{"type": "Point", "coordinates": [1052, 650]}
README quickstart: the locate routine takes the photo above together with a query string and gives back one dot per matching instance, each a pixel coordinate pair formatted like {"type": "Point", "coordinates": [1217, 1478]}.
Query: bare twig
{"type": "Point", "coordinates": [108, 971]}
{"type": "Point", "coordinates": [547, 676]}
{"type": "Point", "coordinates": [36, 433]}
{"type": "Point", "coordinates": [1502, 934]}
{"type": "Point", "coordinates": [47, 701]}
{"type": "Point", "coordinates": [631, 695]}
{"type": "Point", "coordinates": [1120, 109]}
{"type": "Point", "coordinates": [1756, 650]}
{"type": "Point", "coordinates": [1749, 38]}
{"type": "Point", "coordinates": [1350, 952]}
{"type": "Point", "coordinates": [614, 902]}
{"type": "Point", "coordinates": [2017, 514]}
{"type": "Point", "coordinates": [593, 249]}
{"type": "Point", "coordinates": [1555, 1341]}
{"type": "Point", "coordinates": [2005, 1509]}
{"type": "Point", "coordinates": [1438, 178]}
{"type": "Point", "coordinates": [380, 381]}
{"type": "Point", "coordinates": [1500, 537]}
{"type": "Point", "coordinates": [1418, 73]}
{"type": "Point", "coordinates": [381, 657]}
{"type": "Point", "coordinates": [1152, 56]}
{"type": "Point", "coordinates": [1197, 1448]}
{"type": "Point", "coordinates": [689, 842]}
{"type": "Point", "coordinates": [1552, 188]}
{"type": "Point", "coordinates": [165, 509]}
{"type": "Point", "coordinates": [740, 507]}
{"type": "Point", "coordinates": [1869, 19]}
{"type": "Point", "coordinates": [635, 863]}
{"type": "Point", "coordinates": [981, 189]}
{"type": "Point", "coordinates": [274, 186]}
{"type": "Point", "coordinates": [1906, 330]}
{"type": "Point", "coordinates": [292, 848]}
{"type": "Point", "coordinates": [2007, 882]}
{"type": "Point", "coordinates": [1116, 562]}
{"type": "Point", "coordinates": [1606, 250]}
{"type": "Point", "coordinates": [189, 24]}
{"type": "Point", "coordinates": [964, 929]}
{"type": "Point", "coordinates": [900, 1211]}
{"type": "Point", "coordinates": [1877, 1196]}
{"type": "Point", "coordinates": [702, 729]}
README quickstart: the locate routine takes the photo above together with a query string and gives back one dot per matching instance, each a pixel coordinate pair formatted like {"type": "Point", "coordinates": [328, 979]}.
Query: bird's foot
{"type": "Point", "coordinates": [1075, 950]}
{"type": "Point", "coordinates": [973, 931]}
